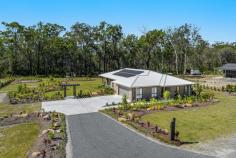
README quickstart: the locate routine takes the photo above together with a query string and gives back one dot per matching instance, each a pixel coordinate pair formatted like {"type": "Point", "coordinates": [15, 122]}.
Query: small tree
{"type": "Point", "coordinates": [166, 95]}
{"type": "Point", "coordinates": [198, 90]}
{"type": "Point", "coordinates": [124, 102]}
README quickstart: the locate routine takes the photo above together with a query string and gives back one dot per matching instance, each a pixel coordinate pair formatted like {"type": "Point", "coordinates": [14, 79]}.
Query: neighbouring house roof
{"type": "Point", "coordinates": [229, 66]}
{"type": "Point", "coordinates": [143, 78]}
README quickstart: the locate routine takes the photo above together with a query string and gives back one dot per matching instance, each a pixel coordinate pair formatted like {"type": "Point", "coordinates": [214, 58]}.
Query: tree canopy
{"type": "Point", "coordinates": [50, 49]}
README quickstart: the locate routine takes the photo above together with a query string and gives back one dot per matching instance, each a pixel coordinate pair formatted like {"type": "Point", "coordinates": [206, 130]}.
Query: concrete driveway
{"type": "Point", "coordinates": [94, 135]}
{"type": "Point", "coordinates": [80, 106]}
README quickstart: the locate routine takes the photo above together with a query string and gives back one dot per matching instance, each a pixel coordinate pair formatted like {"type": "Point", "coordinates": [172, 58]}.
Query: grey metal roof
{"type": "Point", "coordinates": [229, 66]}
{"type": "Point", "coordinates": [145, 78]}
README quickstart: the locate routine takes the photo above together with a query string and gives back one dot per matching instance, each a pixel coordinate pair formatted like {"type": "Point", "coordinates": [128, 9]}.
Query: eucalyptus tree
{"type": "Point", "coordinates": [151, 48]}
{"type": "Point", "coordinates": [184, 40]}
{"type": "Point", "coordinates": [3, 57]}
{"type": "Point", "coordinates": [83, 37]}
{"type": "Point", "coordinates": [114, 33]}
{"type": "Point", "coordinates": [13, 42]}
{"type": "Point", "coordinates": [130, 52]}
{"type": "Point", "coordinates": [101, 42]}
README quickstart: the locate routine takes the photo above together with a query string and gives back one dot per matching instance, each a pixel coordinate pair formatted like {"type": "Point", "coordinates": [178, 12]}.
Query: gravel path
{"type": "Point", "coordinates": [95, 135]}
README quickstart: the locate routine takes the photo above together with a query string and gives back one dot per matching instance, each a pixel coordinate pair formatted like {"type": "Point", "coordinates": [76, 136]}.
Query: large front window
{"type": "Point", "coordinates": [139, 93]}
{"type": "Point", "coordinates": [154, 92]}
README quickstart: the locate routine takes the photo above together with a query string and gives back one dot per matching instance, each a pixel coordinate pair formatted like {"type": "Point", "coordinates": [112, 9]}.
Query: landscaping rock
{"type": "Point", "coordinates": [46, 117]}
{"type": "Point", "coordinates": [165, 131]}
{"type": "Point", "coordinates": [131, 116]}
{"type": "Point", "coordinates": [188, 105]}
{"type": "Point", "coordinates": [57, 124]}
{"type": "Point", "coordinates": [44, 131]}
{"type": "Point", "coordinates": [35, 154]}
{"type": "Point", "coordinates": [58, 131]}
{"type": "Point", "coordinates": [24, 115]}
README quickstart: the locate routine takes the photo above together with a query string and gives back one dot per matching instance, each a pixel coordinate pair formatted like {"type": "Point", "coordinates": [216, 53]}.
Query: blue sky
{"type": "Point", "coordinates": [215, 18]}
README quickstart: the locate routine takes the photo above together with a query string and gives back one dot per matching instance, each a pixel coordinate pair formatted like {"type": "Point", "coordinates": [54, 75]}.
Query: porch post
{"type": "Point", "coordinates": [74, 90]}
{"type": "Point", "coordinates": [64, 90]}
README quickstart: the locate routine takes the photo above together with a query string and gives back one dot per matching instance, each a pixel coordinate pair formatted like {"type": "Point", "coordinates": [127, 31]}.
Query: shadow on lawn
{"type": "Point", "coordinates": [189, 142]}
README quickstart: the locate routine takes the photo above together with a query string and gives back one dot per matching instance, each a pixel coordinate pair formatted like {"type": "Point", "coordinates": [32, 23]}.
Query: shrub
{"type": "Point", "coordinates": [198, 90]}
{"type": "Point", "coordinates": [80, 94]}
{"type": "Point", "coordinates": [207, 95]}
{"type": "Point", "coordinates": [51, 135]}
{"type": "Point", "coordinates": [229, 88]}
{"type": "Point", "coordinates": [166, 95]}
{"type": "Point", "coordinates": [153, 101]}
{"type": "Point", "coordinates": [222, 88]}
{"type": "Point", "coordinates": [124, 102]}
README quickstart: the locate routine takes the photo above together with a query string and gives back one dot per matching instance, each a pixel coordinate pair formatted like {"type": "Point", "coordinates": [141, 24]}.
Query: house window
{"type": "Point", "coordinates": [139, 93]}
{"type": "Point", "coordinates": [154, 92]}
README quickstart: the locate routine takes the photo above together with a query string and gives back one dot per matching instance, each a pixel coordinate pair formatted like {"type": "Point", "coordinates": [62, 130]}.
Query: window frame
{"type": "Point", "coordinates": [139, 93]}
{"type": "Point", "coordinates": [154, 92]}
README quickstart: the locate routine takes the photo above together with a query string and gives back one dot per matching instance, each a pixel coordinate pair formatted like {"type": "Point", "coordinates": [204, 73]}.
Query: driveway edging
{"type": "Point", "coordinates": [69, 146]}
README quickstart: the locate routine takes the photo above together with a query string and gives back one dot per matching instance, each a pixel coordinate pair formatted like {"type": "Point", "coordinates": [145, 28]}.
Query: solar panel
{"type": "Point", "coordinates": [135, 72]}
{"type": "Point", "coordinates": [128, 73]}
{"type": "Point", "coordinates": [122, 74]}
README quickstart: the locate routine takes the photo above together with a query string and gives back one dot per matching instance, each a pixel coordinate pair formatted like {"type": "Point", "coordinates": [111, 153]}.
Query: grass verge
{"type": "Point", "coordinates": [7, 109]}
{"type": "Point", "coordinates": [16, 140]}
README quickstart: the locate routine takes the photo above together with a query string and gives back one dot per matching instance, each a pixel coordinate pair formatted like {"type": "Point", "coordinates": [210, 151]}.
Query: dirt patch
{"type": "Point", "coordinates": [26, 81]}
{"type": "Point", "coordinates": [224, 147]}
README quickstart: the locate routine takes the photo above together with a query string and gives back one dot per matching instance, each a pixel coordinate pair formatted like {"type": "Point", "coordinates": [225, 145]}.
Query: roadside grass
{"type": "Point", "coordinates": [7, 109]}
{"type": "Point", "coordinates": [16, 140]}
{"type": "Point", "coordinates": [201, 124]}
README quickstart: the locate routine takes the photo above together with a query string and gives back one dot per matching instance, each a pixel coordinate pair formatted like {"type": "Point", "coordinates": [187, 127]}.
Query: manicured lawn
{"type": "Point", "coordinates": [85, 85]}
{"type": "Point", "coordinates": [200, 124]}
{"type": "Point", "coordinates": [9, 109]}
{"type": "Point", "coordinates": [16, 140]}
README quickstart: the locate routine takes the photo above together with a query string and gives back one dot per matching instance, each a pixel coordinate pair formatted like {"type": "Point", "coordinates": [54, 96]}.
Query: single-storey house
{"type": "Point", "coordinates": [229, 70]}
{"type": "Point", "coordinates": [145, 84]}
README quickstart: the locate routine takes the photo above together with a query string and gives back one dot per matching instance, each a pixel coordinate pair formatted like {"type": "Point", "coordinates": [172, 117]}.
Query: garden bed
{"type": "Point", "coordinates": [131, 114]}
{"type": "Point", "coordinates": [37, 90]}
{"type": "Point", "coordinates": [52, 140]}
{"type": "Point", "coordinates": [5, 82]}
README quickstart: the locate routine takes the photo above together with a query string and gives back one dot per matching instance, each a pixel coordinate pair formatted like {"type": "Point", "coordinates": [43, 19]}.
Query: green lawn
{"type": "Point", "coordinates": [84, 85]}
{"type": "Point", "coordinates": [16, 140]}
{"type": "Point", "coordinates": [91, 86]}
{"type": "Point", "coordinates": [200, 124]}
{"type": "Point", "coordinates": [6, 109]}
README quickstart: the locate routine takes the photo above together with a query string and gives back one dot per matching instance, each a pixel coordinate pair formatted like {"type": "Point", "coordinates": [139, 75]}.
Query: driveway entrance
{"type": "Point", "coordinates": [80, 106]}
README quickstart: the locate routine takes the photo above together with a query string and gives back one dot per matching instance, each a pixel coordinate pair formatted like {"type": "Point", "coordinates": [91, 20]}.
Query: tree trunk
{"type": "Point", "coordinates": [176, 63]}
